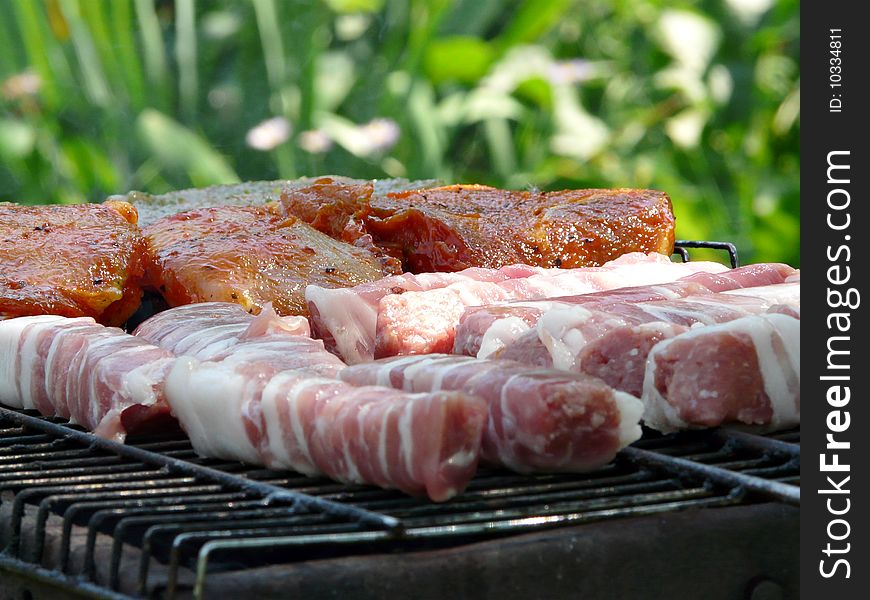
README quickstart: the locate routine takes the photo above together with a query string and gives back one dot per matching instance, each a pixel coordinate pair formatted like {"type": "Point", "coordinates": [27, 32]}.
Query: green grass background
{"type": "Point", "coordinates": [700, 99]}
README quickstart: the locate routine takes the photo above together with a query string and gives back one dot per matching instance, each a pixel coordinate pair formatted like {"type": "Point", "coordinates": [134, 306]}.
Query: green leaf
{"type": "Point", "coordinates": [355, 6]}
{"type": "Point", "coordinates": [457, 58]}
{"type": "Point", "coordinates": [537, 90]}
{"type": "Point", "coordinates": [180, 149]}
{"type": "Point", "coordinates": [534, 19]}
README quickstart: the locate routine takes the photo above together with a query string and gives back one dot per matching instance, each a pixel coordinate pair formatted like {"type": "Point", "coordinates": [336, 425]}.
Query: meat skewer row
{"type": "Point", "coordinates": [483, 331]}
{"type": "Point", "coordinates": [99, 377]}
{"type": "Point", "coordinates": [276, 401]}
{"type": "Point", "coordinates": [423, 322]}
{"type": "Point", "coordinates": [538, 420]}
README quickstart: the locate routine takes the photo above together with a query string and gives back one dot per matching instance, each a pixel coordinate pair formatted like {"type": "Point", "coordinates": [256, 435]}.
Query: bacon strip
{"type": "Point", "coordinates": [409, 321]}
{"type": "Point", "coordinates": [613, 344]}
{"type": "Point", "coordinates": [346, 318]}
{"type": "Point", "coordinates": [100, 377]}
{"type": "Point", "coordinates": [567, 331]}
{"type": "Point", "coordinates": [484, 331]}
{"type": "Point", "coordinates": [745, 371]}
{"type": "Point", "coordinates": [201, 330]}
{"type": "Point", "coordinates": [243, 409]}
{"type": "Point", "coordinates": [538, 421]}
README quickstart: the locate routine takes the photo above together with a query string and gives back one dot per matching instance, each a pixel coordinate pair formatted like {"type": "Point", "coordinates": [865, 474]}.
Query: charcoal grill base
{"type": "Point", "coordinates": [716, 553]}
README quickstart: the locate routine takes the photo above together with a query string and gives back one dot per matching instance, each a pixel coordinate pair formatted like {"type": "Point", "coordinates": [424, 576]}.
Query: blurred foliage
{"type": "Point", "coordinates": [700, 99]}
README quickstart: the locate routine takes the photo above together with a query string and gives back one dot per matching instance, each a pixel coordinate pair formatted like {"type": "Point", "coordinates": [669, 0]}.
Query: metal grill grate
{"type": "Point", "coordinates": [152, 518]}
{"type": "Point", "coordinates": [93, 509]}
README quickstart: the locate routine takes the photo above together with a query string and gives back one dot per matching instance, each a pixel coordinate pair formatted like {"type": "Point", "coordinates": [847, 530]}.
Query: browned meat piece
{"type": "Point", "coordinates": [152, 207]}
{"type": "Point", "coordinates": [83, 260]}
{"type": "Point", "coordinates": [250, 255]}
{"type": "Point", "coordinates": [330, 216]}
{"type": "Point", "coordinates": [455, 227]}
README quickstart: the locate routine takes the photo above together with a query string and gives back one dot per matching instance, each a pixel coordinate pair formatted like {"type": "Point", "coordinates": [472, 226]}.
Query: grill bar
{"type": "Point", "coordinates": [197, 522]}
{"type": "Point", "coordinates": [54, 579]}
{"type": "Point", "coordinates": [681, 466]}
{"type": "Point", "coordinates": [758, 442]}
{"type": "Point", "coordinates": [271, 492]}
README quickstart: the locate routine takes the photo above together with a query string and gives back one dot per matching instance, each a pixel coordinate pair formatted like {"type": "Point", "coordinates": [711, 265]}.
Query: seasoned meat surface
{"type": "Point", "coordinates": [83, 260]}
{"type": "Point", "coordinates": [250, 255]}
{"type": "Point", "coordinates": [455, 227]}
{"type": "Point", "coordinates": [152, 207]}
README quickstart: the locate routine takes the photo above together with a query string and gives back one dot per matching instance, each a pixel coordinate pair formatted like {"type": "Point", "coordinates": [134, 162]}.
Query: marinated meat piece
{"type": "Point", "coordinates": [74, 261]}
{"type": "Point", "coordinates": [538, 421]}
{"type": "Point", "coordinates": [249, 193]}
{"type": "Point", "coordinates": [745, 371]}
{"type": "Point", "coordinates": [250, 256]}
{"type": "Point", "coordinates": [327, 204]}
{"type": "Point", "coordinates": [484, 331]}
{"type": "Point", "coordinates": [455, 227]}
{"type": "Point", "coordinates": [100, 377]}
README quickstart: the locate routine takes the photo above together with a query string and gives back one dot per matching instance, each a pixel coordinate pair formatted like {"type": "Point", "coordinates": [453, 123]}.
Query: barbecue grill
{"type": "Point", "coordinates": [707, 514]}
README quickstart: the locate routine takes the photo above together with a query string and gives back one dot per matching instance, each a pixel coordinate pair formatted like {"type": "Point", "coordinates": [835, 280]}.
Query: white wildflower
{"type": "Point", "coordinates": [21, 84]}
{"type": "Point", "coordinates": [382, 134]}
{"type": "Point", "coordinates": [571, 71]}
{"type": "Point", "coordinates": [269, 134]}
{"type": "Point", "coordinates": [315, 141]}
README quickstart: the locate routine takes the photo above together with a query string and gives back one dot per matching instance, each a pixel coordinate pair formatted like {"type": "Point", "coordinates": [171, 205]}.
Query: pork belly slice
{"type": "Point", "coordinates": [425, 322]}
{"type": "Point", "coordinates": [99, 377]}
{"type": "Point", "coordinates": [484, 331]}
{"type": "Point", "coordinates": [567, 331]}
{"type": "Point", "coordinates": [613, 344]}
{"type": "Point", "coordinates": [251, 255]}
{"type": "Point", "coordinates": [421, 444]}
{"type": "Point", "coordinates": [416, 314]}
{"type": "Point", "coordinates": [619, 356]}
{"type": "Point", "coordinates": [205, 329]}
{"type": "Point", "coordinates": [83, 260]}
{"type": "Point", "coordinates": [744, 371]}
{"type": "Point", "coordinates": [537, 420]}
{"type": "Point", "coordinates": [346, 318]}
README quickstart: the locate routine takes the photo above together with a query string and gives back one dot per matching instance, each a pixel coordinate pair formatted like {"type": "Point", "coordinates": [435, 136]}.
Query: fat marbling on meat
{"type": "Point", "coordinates": [286, 409]}
{"type": "Point", "coordinates": [484, 331]}
{"type": "Point", "coordinates": [204, 329]}
{"type": "Point", "coordinates": [100, 377]}
{"type": "Point", "coordinates": [346, 318]}
{"type": "Point", "coordinates": [377, 320]}
{"type": "Point", "coordinates": [744, 371]}
{"type": "Point", "coordinates": [425, 322]}
{"type": "Point", "coordinates": [537, 420]}
{"type": "Point", "coordinates": [613, 343]}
